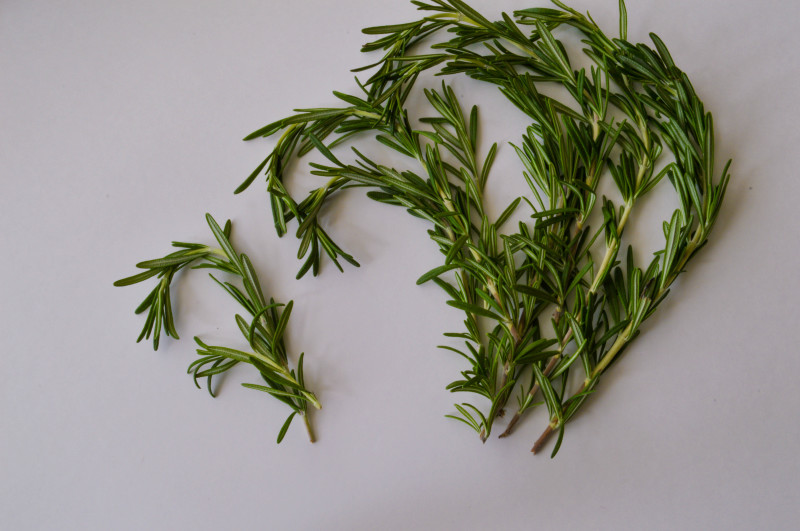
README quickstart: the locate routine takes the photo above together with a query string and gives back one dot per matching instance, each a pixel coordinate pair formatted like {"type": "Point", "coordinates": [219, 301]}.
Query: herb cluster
{"type": "Point", "coordinates": [546, 299]}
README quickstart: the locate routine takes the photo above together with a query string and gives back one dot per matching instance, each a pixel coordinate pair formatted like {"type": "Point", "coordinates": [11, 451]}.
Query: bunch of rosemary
{"type": "Point", "coordinates": [548, 298]}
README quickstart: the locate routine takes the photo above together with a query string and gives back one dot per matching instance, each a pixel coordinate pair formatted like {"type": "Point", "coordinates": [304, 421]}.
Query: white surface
{"type": "Point", "coordinates": [120, 128]}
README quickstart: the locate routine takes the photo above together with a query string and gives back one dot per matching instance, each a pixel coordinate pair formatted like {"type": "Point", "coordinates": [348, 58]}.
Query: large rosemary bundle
{"type": "Point", "coordinates": [547, 299]}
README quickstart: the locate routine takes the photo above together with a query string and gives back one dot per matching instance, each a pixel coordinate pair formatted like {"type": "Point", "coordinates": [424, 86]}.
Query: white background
{"type": "Point", "coordinates": [121, 126]}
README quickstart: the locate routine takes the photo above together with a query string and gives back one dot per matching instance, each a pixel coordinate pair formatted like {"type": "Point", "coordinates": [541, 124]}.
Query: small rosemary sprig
{"type": "Point", "coordinates": [264, 329]}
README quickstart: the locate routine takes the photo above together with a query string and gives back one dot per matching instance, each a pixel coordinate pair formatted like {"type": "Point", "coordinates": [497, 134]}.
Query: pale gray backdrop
{"type": "Point", "coordinates": [121, 126]}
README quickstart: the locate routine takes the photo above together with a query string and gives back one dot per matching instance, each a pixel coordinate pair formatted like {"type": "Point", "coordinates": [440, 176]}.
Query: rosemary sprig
{"type": "Point", "coordinates": [264, 329]}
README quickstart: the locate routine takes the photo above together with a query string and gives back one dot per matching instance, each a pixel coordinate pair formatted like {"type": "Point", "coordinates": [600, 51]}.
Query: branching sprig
{"type": "Point", "coordinates": [264, 328]}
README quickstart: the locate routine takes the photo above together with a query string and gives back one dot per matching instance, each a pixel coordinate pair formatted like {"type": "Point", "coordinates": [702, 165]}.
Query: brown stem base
{"type": "Point", "coordinates": [543, 438]}
{"type": "Point", "coordinates": [510, 427]}
{"type": "Point", "coordinates": [513, 422]}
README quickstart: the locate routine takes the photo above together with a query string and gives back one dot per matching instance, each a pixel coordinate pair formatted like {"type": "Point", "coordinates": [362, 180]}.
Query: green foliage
{"type": "Point", "coordinates": [552, 272]}
{"type": "Point", "coordinates": [263, 329]}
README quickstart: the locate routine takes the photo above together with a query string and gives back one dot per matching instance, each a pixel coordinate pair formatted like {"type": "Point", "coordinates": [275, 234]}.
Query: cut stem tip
{"type": "Point", "coordinates": [542, 440]}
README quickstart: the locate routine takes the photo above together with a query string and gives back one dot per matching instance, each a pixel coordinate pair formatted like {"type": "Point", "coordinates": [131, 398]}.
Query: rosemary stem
{"type": "Point", "coordinates": [491, 286]}
{"type": "Point", "coordinates": [271, 364]}
{"type": "Point", "coordinates": [367, 114]}
{"type": "Point", "coordinates": [642, 169]}
{"type": "Point", "coordinates": [543, 438]}
{"type": "Point", "coordinates": [502, 399]}
{"type": "Point", "coordinates": [458, 17]}
{"type": "Point", "coordinates": [309, 428]}
{"type": "Point", "coordinates": [286, 373]}
{"type": "Point", "coordinates": [515, 419]}
{"type": "Point", "coordinates": [551, 365]}
{"type": "Point", "coordinates": [611, 252]}
{"type": "Point", "coordinates": [626, 213]}
{"type": "Point", "coordinates": [622, 339]}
